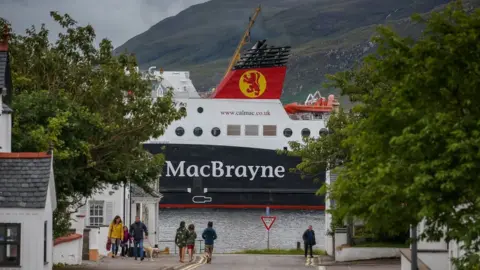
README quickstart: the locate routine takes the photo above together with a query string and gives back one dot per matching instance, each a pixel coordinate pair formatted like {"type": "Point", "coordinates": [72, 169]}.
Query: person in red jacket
{"type": "Point", "coordinates": [126, 241]}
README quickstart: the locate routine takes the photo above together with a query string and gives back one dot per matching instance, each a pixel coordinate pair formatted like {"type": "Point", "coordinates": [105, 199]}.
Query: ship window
{"type": "Point", "coordinates": [323, 132]}
{"type": "Point", "coordinates": [179, 131]}
{"type": "Point", "coordinates": [251, 130]}
{"type": "Point", "coordinates": [269, 130]}
{"type": "Point", "coordinates": [197, 131]}
{"type": "Point", "coordinates": [305, 132]}
{"type": "Point", "coordinates": [182, 110]}
{"type": "Point", "coordinates": [233, 130]}
{"type": "Point", "coordinates": [287, 132]}
{"type": "Point", "coordinates": [215, 131]}
{"type": "Point", "coordinates": [199, 109]}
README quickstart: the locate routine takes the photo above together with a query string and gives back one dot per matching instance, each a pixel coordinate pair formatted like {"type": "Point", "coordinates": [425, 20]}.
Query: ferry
{"type": "Point", "coordinates": [224, 153]}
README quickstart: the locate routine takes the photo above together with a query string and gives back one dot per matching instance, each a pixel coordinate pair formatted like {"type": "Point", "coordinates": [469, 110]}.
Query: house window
{"type": "Point", "coordinates": [269, 130]}
{"type": "Point", "coordinates": [251, 130]}
{"type": "Point", "coordinates": [96, 213]}
{"type": "Point", "coordinates": [233, 130]}
{"type": "Point", "coordinates": [9, 244]}
{"type": "Point", "coordinates": [45, 242]}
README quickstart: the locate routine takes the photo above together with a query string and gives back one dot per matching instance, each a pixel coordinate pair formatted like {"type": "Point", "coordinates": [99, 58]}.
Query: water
{"type": "Point", "coordinates": [239, 229]}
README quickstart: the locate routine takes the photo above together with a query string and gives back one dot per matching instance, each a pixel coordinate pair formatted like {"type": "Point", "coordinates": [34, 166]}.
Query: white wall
{"type": "Point", "coordinates": [355, 254]}
{"type": "Point", "coordinates": [31, 242]}
{"type": "Point", "coordinates": [5, 130]}
{"type": "Point", "coordinates": [69, 252]}
{"type": "Point", "coordinates": [436, 261]}
{"type": "Point", "coordinates": [405, 263]}
{"type": "Point", "coordinates": [48, 216]}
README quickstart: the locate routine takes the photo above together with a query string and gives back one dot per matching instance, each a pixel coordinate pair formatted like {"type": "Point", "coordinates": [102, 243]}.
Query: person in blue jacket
{"type": "Point", "coordinates": [209, 235]}
{"type": "Point", "coordinates": [309, 240]}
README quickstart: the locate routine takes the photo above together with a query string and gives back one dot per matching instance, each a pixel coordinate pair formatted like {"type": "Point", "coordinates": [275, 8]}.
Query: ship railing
{"type": "Point", "coordinates": [199, 246]}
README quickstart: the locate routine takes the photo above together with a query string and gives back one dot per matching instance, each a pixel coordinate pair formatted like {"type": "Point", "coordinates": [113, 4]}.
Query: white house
{"type": "Point", "coordinates": [27, 201]}
{"type": "Point", "coordinates": [126, 201]}
{"type": "Point", "coordinates": [27, 193]}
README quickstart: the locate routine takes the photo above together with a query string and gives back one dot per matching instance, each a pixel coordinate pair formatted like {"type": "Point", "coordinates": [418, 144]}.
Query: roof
{"type": "Point", "coordinates": [141, 193]}
{"type": "Point", "coordinates": [68, 238]}
{"type": "Point", "coordinates": [3, 69]}
{"type": "Point", "coordinates": [24, 179]}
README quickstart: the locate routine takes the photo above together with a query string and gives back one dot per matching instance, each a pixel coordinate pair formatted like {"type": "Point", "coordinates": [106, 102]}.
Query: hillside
{"type": "Point", "coordinates": [326, 36]}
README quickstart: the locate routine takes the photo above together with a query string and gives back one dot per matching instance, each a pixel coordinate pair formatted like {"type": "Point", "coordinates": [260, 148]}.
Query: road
{"type": "Point", "coordinates": [360, 267]}
{"type": "Point", "coordinates": [283, 262]}
{"type": "Point", "coordinates": [256, 262]}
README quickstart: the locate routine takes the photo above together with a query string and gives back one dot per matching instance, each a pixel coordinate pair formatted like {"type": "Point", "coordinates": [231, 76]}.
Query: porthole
{"type": "Point", "coordinates": [179, 131]}
{"type": "Point", "coordinates": [215, 131]}
{"type": "Point", "coordinates": [323, 132]}
{"type": "Point", "coordinates": [199, 109]}
{"type": "Point", "coordinates": [197, 131]}
{"type": "Point", "coordinates": [287, 132]}
{"type": "Point", "coordinates": [183, 110]}
{"type": "Point", "coordinates": [305, 132]}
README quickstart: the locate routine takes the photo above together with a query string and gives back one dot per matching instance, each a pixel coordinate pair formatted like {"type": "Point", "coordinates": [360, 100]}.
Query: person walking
{"type": "Point", "coordinates": [309, 240]}
{"type": "Point", "coordinates": [126, 241]}
{"type": "Point", "coordinates": [209, 235]}
{"type": "Point", "coordinates": [115, 234]}
{"type": "Point", "coordinates": [181, 240]}
{"type": "Point", "coordinates": [192, 236]}
{"type": "Point", "coordinates": [137, 230]}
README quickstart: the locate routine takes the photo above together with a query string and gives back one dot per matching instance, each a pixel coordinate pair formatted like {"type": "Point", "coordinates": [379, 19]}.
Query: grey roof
{"type": "Point", "coordinates": [3, 69]}
{"type": "Point", "coordinates": [6, 109]}
{"type": "Point", "coordinates": [24, 181]}
{"type": "Point", "coordinates": [141, 193]}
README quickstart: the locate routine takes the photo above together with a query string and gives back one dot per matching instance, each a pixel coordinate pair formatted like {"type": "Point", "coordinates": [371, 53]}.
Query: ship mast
{"type": "Point", "coordinates": [243, 41]}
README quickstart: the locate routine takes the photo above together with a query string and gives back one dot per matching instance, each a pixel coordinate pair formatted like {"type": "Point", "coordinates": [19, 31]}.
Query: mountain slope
{"type": "Point", "coordinates": [326, 36]}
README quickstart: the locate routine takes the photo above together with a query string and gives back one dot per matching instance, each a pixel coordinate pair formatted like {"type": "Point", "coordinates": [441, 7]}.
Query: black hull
{"type": "Point", "coordinates": [234, 177]}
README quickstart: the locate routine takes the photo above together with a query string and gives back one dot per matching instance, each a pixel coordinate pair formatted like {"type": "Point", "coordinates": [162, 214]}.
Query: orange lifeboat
{"type": "Point", "coordinates": [321, 105]}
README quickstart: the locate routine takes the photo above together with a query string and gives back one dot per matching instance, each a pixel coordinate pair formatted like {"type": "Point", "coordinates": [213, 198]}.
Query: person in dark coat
{"type": "Point", "coordinates": [309, 240]}
{"type": "Point", "coordinates": [137, 229]}
{"type": "Point", "coordinates": [209, 235]}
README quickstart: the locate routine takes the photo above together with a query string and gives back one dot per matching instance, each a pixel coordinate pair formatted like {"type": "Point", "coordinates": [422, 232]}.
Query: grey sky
{"type": "Point", "coordinates": [117, 20]}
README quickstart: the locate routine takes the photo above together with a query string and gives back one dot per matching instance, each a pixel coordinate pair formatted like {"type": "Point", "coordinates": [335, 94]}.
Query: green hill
{"type": "Point", "coordinates": [326, 36]}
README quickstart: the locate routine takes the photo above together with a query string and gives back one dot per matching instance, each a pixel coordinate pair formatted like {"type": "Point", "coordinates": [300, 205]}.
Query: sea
{"type": "Point", "coordinates": [240, 229]}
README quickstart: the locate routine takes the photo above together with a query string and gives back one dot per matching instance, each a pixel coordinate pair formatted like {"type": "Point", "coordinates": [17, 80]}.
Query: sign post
{"type": "Point", "coordinates": [268, 222]}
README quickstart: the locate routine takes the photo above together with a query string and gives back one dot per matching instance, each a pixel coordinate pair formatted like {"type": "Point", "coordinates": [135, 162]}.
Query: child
{"type": "Point", "coordinates": [192, 235]}
{"type": "Point", "coordinates": [125, 242]}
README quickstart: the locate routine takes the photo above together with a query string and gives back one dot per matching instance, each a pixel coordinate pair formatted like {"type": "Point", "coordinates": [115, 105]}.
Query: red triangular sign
{"type": "Point", "coordinates": [268, 221]}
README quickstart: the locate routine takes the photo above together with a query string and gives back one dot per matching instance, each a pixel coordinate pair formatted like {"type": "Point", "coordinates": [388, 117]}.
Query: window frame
{"type": "Point", "coordinates": [90, 216]}
{"type": "Point", "coordinates": [45, 247]}
{"type": "Point", "coordinates": [17, 242]}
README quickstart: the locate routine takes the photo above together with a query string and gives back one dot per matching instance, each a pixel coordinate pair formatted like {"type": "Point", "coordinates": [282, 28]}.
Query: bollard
{"type": "Point", "coordinates": [298, 246]}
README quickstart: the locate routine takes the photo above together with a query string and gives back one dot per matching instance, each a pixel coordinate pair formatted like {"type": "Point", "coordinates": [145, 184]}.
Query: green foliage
{"type": "Point", "coordinates": [72, 94]}
{"type": "Point", "coordinates": [414, 143]}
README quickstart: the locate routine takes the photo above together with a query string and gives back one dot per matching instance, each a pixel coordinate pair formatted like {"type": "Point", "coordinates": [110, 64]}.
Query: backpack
{"type": "Point", "coordinates": [181, 236]}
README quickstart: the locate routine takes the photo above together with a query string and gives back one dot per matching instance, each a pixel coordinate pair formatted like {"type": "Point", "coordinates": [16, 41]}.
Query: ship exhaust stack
{"type": "Point", "coordinates": [258, 74]}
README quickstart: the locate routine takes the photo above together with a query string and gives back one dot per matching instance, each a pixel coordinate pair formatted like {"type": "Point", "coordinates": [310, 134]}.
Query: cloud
{"type": "Point", "coordinates": [117, 20]}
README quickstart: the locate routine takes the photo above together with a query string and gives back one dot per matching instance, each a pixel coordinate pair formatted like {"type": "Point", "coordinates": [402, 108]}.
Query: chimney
{"type": "Point", "coordinates": [4, 39]}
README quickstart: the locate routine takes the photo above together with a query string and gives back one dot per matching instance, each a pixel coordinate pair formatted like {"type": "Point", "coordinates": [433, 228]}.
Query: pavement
{"type": "Point", "coordinates": [326, 263]}
{"type": "Point", "coordinates": [163, 262]}
{"type": "Point", "coordinates": [256, 262]}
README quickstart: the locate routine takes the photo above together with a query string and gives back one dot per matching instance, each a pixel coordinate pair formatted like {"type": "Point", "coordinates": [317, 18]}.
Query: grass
{"type": "Point", "coordinates": [382, 245]}
{"type": "Point", "coordinates": [279, 251]}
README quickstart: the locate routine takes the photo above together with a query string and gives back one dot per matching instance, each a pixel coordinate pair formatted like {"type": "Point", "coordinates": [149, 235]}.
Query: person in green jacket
{"type": "Point", "coordinates": [181, 240]}
{"type": "Point", "coordinates": [192, 236]}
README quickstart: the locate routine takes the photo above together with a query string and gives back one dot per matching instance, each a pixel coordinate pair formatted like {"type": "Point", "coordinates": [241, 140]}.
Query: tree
{"type": "Point", "coordinates": [414, 149]}
{"type": "Point", "coordinates": [79, 98]}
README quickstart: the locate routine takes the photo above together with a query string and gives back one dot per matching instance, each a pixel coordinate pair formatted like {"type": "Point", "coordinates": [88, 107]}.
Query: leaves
{"type": "Point", "coordinates": [73, 95]}
{"type": "Point", "coordinates": [413, 148]}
